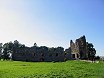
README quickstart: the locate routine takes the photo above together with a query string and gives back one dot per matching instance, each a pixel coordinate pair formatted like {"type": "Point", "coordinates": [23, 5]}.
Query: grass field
{"type": "Point", "coordinates": [69, 69]}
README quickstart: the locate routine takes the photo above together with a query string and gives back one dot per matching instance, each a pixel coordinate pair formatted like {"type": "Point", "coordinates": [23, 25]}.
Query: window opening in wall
{"type": "Point", "coordinates": [65, 53]}
{"type": "Point", "coordinates": [73, 55]}
{"type": "Point", "coordinates": [34, 54]}
{"type": "Point", "coordinates": [56, 54]}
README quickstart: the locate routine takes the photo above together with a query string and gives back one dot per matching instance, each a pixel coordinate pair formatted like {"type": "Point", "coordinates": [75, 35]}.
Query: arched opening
{"type": "Point", "coordinates": [73, 55]}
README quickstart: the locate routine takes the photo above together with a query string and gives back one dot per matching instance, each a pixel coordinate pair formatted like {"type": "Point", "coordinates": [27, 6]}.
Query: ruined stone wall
{"type": "Point", "coordinates": [78, 48]}
{"type": "Point", "coordinates": [31, 54]}
{"type": "Point", "coordinates": [74, 50]}
{"type": "Point", "coordinates": [82, 47]}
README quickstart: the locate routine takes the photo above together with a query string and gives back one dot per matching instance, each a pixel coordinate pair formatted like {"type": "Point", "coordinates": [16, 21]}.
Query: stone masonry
{"type": "Point", "coordinates": [77, 50]}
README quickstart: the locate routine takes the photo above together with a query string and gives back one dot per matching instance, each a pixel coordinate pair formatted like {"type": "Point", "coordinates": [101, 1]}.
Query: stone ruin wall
{"type": "Point", "coordinates": [30, 54]}
{"type": "Point", "coordinates": [76, 50]}
{"type": "Point", "coordinates": [79, 49]}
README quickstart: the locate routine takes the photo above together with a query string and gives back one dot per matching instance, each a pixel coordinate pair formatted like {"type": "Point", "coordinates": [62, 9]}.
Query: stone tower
{"type": "Point", "coordinates": [79, 49]}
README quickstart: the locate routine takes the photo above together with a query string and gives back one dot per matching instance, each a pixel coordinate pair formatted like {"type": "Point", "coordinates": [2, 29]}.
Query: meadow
{"type": "Point", "coordinates": [68, 69]}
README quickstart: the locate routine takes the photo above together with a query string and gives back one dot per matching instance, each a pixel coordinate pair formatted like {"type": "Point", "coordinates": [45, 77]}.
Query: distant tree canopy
{"type": "Point", "coordinates": [91, 51]}
{"type": "Point", "coordinates": [97, 57]}
{"type": "Point", "coordinates": [1, 50]}
{"type": "Point", "coordinates": [8, 48]}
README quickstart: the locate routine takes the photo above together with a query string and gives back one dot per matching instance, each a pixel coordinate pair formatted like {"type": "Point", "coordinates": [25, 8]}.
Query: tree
{"type": "Point", "coordinates": [1, 50]}
{"type": "Point", "coordinates": [97, 57]}
{"type": "Point", "coordinates": [43, 49]}
{"type": "Point", "coordinates": [60, 49]}
{"type": "Point", "coordinates": [51, 49]}
{"type": "Point", "coordinates": [22, 46]}
{"type": "Point", "coordinates": [10, 49]}
{"type": "Point", "coordinates": [57, 50]}
{"type": "Point", "coordinates": [91, 51]}
{"type": "Point", "coordinates": [17, 45]}
{"type": "Point", "coordinates": [7, 50]}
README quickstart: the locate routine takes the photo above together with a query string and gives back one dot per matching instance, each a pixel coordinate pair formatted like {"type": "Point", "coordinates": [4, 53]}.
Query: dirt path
{"type": "Point", "coordinates": [90, 61]}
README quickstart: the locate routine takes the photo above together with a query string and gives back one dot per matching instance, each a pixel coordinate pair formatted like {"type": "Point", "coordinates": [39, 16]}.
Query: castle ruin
{"type": "Point", "coordinates": [77, 50]}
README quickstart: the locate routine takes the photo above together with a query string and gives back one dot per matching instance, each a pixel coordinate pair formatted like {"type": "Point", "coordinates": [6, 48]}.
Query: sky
{"type": "Point", "coordinates": [52, 23]}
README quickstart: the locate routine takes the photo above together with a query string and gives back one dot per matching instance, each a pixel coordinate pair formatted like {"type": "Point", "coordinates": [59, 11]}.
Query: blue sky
{"type": "Point", "coordinates": [52, 22]}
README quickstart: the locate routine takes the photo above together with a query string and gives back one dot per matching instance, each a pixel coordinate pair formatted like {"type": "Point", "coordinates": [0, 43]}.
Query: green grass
{"type": "Point", "coordinates": [69, 69]}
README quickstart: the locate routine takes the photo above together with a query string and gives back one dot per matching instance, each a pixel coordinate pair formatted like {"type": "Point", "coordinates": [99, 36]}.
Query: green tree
{"type": "Point", "coordinates": [5, 51]}
{"type": "Point", "coordinates": [60, 49]}
{"type": "Point", "coordinates": [1, 50]}
{"type": "Point", "coordinates": [17, 45]}
{"type": "Point", "coordinates": [52, 49]}
{"type": "Point", "coordinates": [91, 51]}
